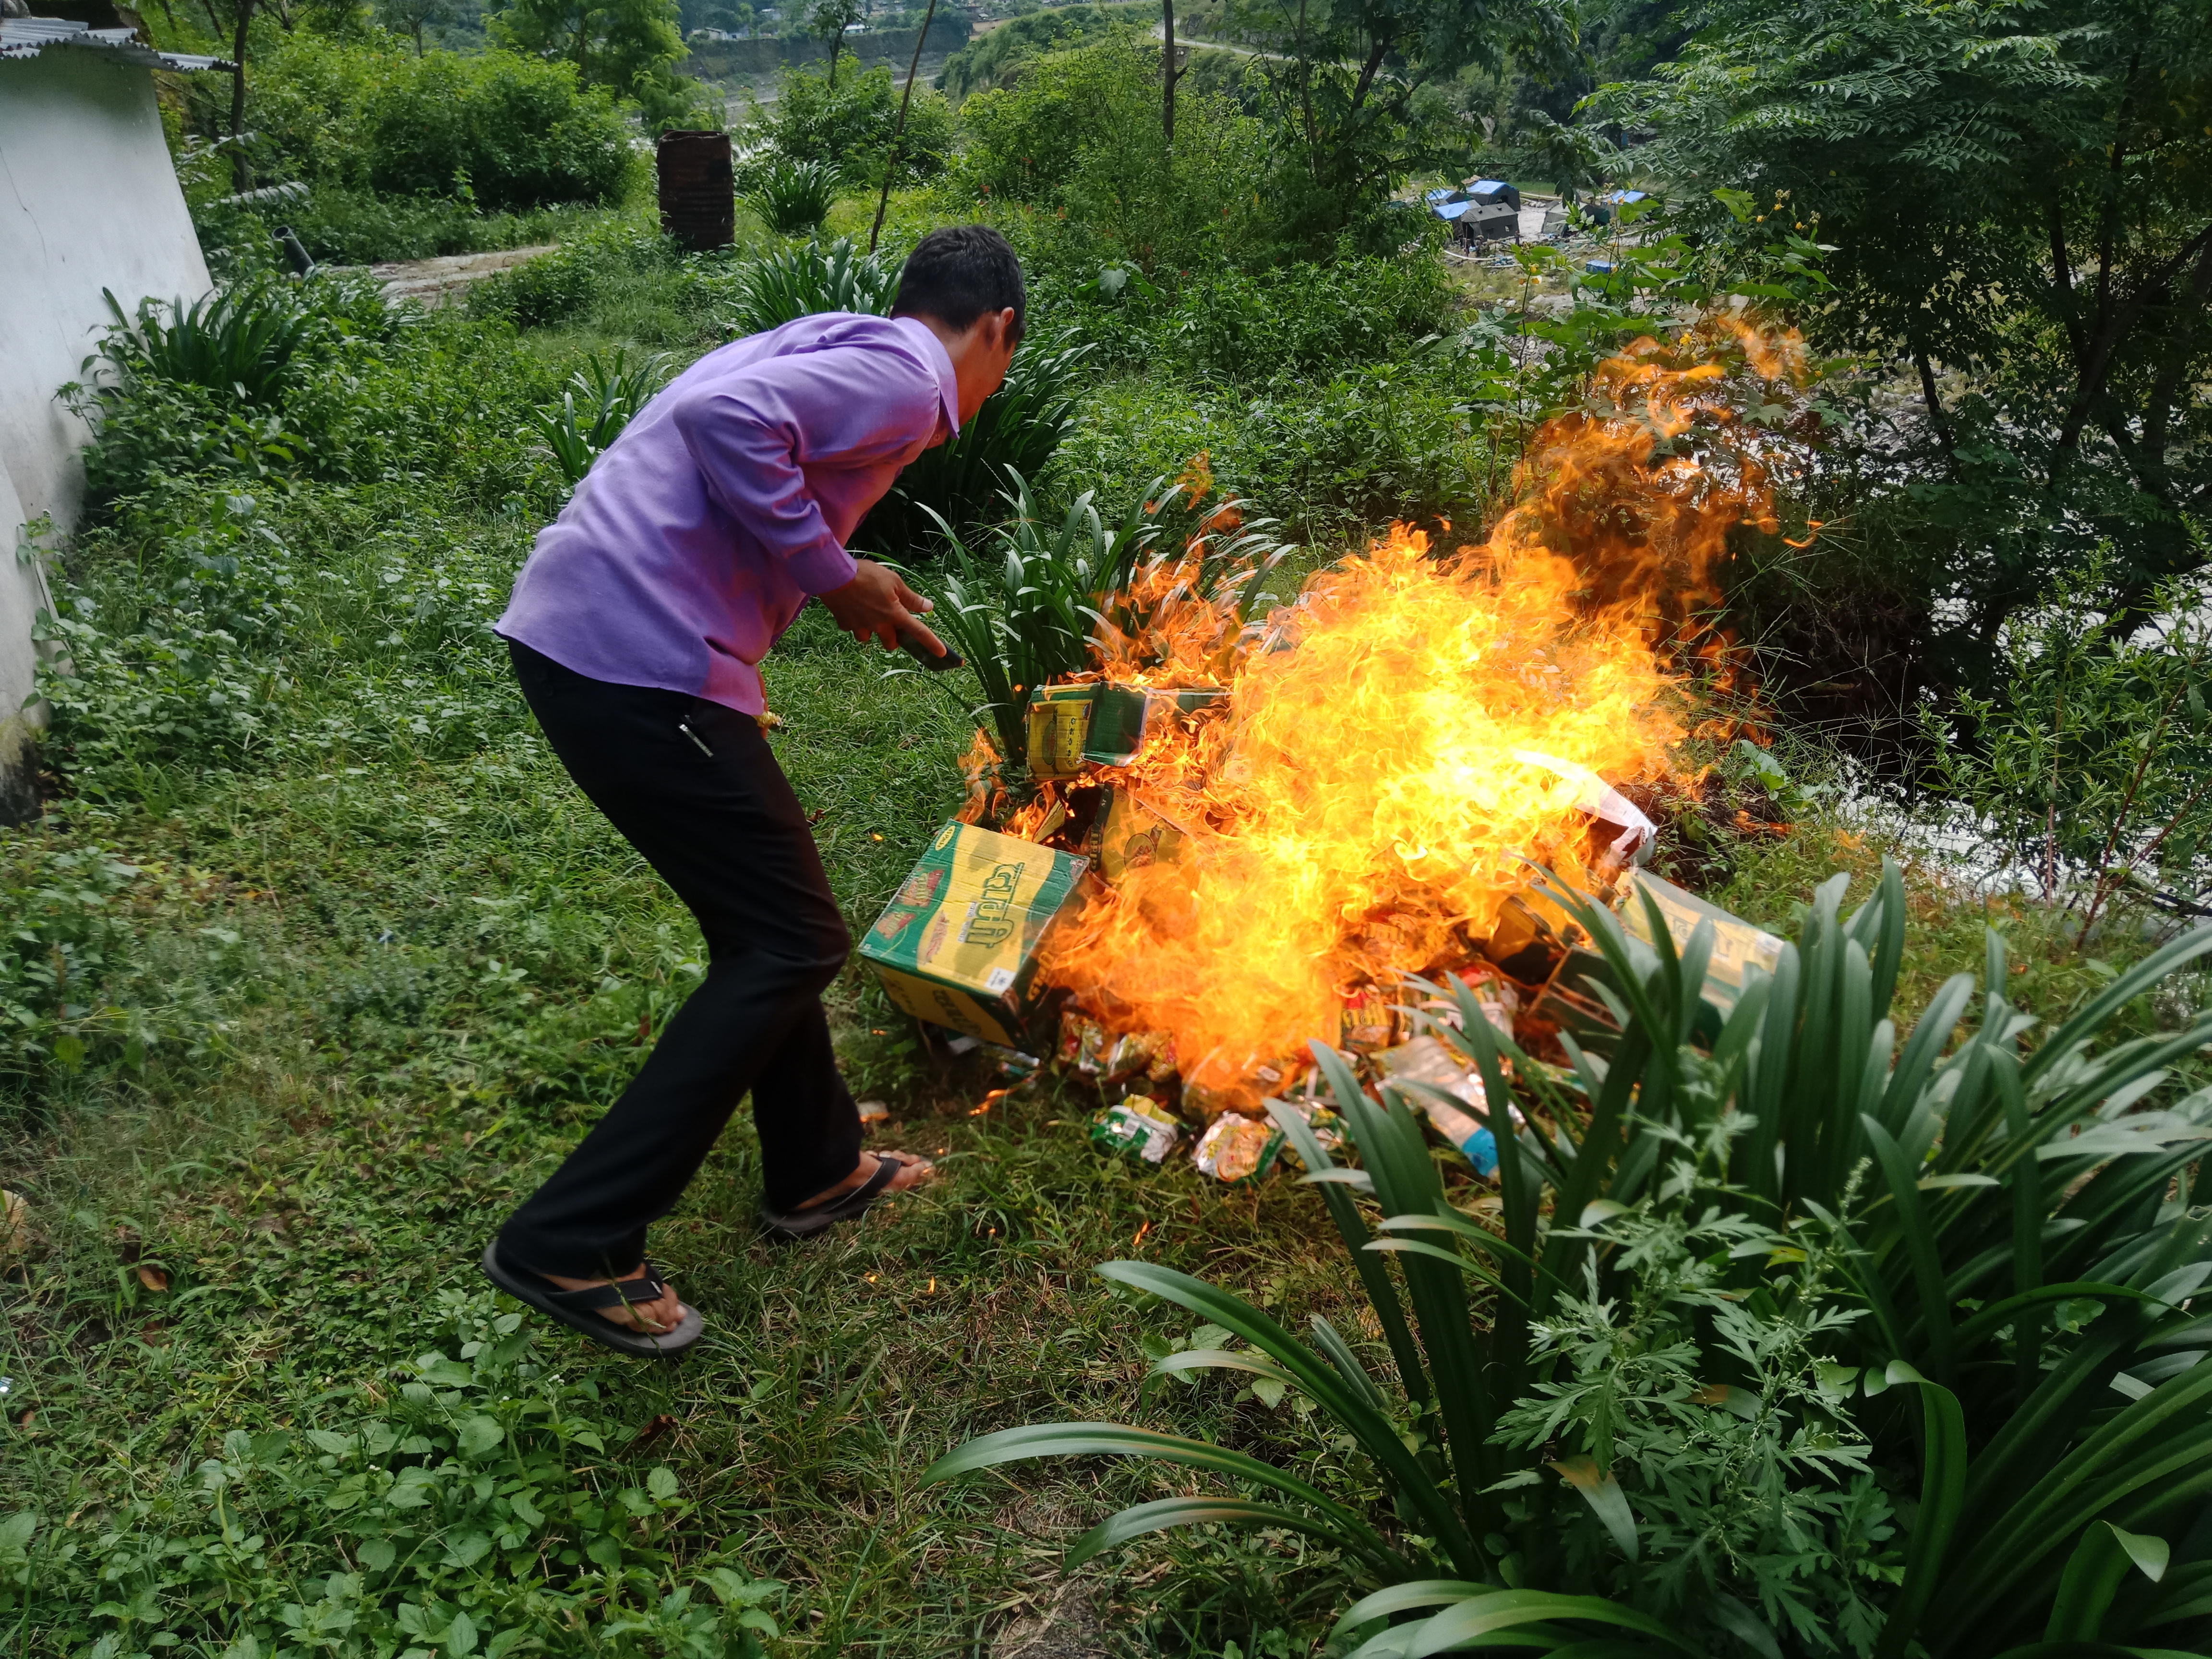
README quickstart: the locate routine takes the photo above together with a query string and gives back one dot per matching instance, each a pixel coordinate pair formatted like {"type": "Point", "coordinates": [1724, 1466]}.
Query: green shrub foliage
{"type": "Point", "coordinates": [798, 282]}
{"type": "Point", "coordinates": [546, 289]}
{"type": "Point", "coordinates": [849, 126]}
{"type": "Point", "coordinates": [793, 197]}
{"type": "Point", "coordinates": [429, 1501]}
{"type": "Point", "coordinates": [501, 130]}
{"type": "Point", "coordinates": [1000, 58]}
{"type": "Point", "coordinates": [961, 482]}
{"type": "Point", "coordinates": [1079, 139]}
{"type": "Point", "coordinates": [1942, 1287]}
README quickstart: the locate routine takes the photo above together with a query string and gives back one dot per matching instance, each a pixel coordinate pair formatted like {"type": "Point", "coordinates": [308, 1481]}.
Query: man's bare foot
{"type": "Point", "coordinates": [664, 1313]}
{"type": "Point", "coordinates": [912, 1172]}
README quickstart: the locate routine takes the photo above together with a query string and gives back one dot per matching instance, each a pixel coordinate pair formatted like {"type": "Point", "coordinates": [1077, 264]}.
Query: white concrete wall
{"type": "Point", "coordinates": [89, 200]}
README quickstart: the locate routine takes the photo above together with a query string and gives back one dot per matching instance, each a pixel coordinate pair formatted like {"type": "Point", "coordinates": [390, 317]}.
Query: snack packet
{"type": "Point", "coordinates": [1137, 1124]}
{"type": "Point", "coordinates": [1082, 1044]}
{"type": "Point", "coordinates": [1236, 1148]}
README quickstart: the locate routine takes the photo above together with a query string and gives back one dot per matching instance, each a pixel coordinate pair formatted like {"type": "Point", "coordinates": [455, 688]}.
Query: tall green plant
{"type": "Point", "coordinates": [796, 282]}
{"type": "Point", "coordinates": [1020, 426]}
{"type": "Point", "coordinates": [2013, 1225]}
{"type": "Point", "coordinates": [1021, 611]}
{"type": "Point", "coordinates": [598, 401]}
{"type": "Point", "coordinates": [792, 197]}
{"type": "Point", "coordinates": [239, 341]}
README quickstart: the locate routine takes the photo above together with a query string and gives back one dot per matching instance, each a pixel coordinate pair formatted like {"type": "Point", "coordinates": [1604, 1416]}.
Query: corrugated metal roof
{"type": "Point", "coordinates": [26, 37]}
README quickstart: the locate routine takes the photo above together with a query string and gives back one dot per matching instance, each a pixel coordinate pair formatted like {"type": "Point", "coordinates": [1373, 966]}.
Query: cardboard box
{"type": "Point", "coordinates": [1737, 946]}
{"type": "Point", "coordinates": [1060, 721]}
{"type": "Point", "coordinates": [958, 944]}
{"type": "Point", "coordinates": [1101, 724]}
{"type": "Point", "coordinates": [1129, 834]}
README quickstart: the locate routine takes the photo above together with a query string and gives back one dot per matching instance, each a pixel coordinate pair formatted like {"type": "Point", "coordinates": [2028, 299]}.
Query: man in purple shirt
{"type": "Point", "coordinates": [637, 627]}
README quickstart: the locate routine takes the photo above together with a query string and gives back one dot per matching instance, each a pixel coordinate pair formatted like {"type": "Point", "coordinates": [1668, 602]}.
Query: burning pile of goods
{"type": "Point", "coordinates": [1240, 837]}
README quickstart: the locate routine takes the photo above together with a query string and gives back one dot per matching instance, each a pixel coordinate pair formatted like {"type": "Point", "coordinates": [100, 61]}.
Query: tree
{"type": "Point", "coordinates": [830, 19]}
{"type": "Point", "coordinates": [1351, 70]}
{"type": "Point", "coordinates": [1575, 159]}
{"type": "Point", "coordinates": [234, 18]}
{"type": "Point", "coordinates": [2020, 191]}
{"type": "Point", "coordinates": [630, 46]}
{"type": "Point", "coordinates": [410, 17]}
{"type": "Point", "coordinates": [1170, 71]}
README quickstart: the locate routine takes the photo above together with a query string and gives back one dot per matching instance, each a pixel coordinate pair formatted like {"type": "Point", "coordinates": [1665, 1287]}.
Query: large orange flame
{"type": "Point", "coordinates": [1400, 743]}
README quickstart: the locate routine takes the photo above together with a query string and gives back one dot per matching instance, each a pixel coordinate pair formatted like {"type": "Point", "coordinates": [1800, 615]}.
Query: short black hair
{"type": "Point", "coordinates": [958, 273]}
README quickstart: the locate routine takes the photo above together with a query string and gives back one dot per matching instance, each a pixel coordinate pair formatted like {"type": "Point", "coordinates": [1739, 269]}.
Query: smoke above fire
{"type": "Point", "coordinates": [1423, 725]}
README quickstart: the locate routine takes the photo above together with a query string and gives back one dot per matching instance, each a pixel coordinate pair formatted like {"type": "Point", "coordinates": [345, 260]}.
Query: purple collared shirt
{"type": "Point", "coordinates": [695, 539]}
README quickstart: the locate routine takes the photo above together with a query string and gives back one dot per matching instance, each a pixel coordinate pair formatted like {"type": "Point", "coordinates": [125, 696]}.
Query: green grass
{"type": "Point", "coordinates": [442, 967]}
{"type": "Point", "coordinates": [400, 964]}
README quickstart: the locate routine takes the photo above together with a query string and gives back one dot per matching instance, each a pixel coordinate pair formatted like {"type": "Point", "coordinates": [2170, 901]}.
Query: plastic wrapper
{"type": "Point", "coordinates": [1236, 1148]}
{"type": "Point", "coordinates": [1082, 1044]}
{"type": "Point", "coordinates": [1595, 796]}
{"type": "Point", "coordinates": [1369, 1019]}
{"type": "Point", "coordinates": [1242, 1093]}
{"type": "Point", "coordinates": [1149, 1054]}
{"type": "Point", "coordinates": [1426, 1061]}
{"type": "Point", "coordinates": [1136, 1126]}
{"type": "Point", "coordinates": [1496, 995]}
{"type": "Point", "coordinates": [1327, 1127]}
{"type": "Point", "coordinates": [1738, 948]}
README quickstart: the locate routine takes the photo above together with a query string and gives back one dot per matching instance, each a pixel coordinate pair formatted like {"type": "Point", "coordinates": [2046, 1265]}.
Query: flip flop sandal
{"type": "Point", "coordinates": [784, 1226]}
{"type": "Point", "coordinates": [578, 1310]}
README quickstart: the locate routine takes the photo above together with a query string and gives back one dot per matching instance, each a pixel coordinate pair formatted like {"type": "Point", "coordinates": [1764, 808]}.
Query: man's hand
{"type": "Point", "coordinates": [876, 605]}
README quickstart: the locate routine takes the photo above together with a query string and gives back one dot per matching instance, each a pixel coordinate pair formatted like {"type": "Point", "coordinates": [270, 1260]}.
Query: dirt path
{"type": "Point", "coordinates": [433, 282]}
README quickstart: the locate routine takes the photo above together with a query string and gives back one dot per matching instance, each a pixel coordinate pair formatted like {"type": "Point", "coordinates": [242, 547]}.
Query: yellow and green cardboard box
{"type": "Point", "coordinates": [1100, 723]}
{"type": "Point", "coordinates": [958, 944]}
{"type": "Point", "coordinates": [1737, 946]}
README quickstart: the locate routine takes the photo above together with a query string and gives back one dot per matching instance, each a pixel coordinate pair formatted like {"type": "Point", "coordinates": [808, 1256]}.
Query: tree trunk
{"type": "Point", "coordinates": [1167, 71]}
{"type": "Point", "coordinates": [1379, 49]}
{"type": "Point", "coordinates": [836, 41]}
{"type": "Point", "coordinates": [1305, 93]}
{"type": "Point", "coordinates": [1938, 422]}
{"type": "Point", "coordinates": [898, 132]}
{"type": "Point", "coordinates": [241, 174]}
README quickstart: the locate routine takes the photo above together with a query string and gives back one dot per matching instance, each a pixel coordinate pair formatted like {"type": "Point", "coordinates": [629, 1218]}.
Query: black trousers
{"type": "Point", "coordinates": [724, 829]}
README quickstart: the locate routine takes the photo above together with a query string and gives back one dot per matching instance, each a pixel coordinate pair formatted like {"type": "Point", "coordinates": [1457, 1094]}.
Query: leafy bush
{"type": "Point", "coordinates": [190, 683]}
{"type": "Point", "coordinates": [546, 289]}
{"type": "Point", "coordinates": [243, 338]}
{"type": "Point", "coordinates": [849, 126]}
{"type": "Point", "coordinates": [999, 58]}
{"type": "Point", "coordinates": [257, 381]}
{"type": "Point", "coordinates": [1021, 613]}
{"type": "Point", "coordinates": [1294, 320]}
{"type": "Point", "coordinates": [339, 224]}
{"type": "Point", "coordinates": [1023, 610]}
{"type": "Point", "coordinates": [793, 197]}
{"type": "Point", "coordinates": [472, 1501]}
{"type": "Point", "coordinates": [500, 129]}
{"type": "Point", "coordinates": [798, 282]}
{"type": "Point", "coordinates": [574, 432]}
{"type": "Point", "coordinates": [1359, 450]}
{"type": "Point", "coordinates": [1997, 1233]}
{"type": "Point", "coordinates": [68, 938]}
{"type": "Point", "coordinates": [1369, 446]}
{"type": "Point", "coordinates": [1079, 139]}
{"type": "Point", "coordinates": [2090, 768]}
{"type": "Point", "coordinates": [959, 482]}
